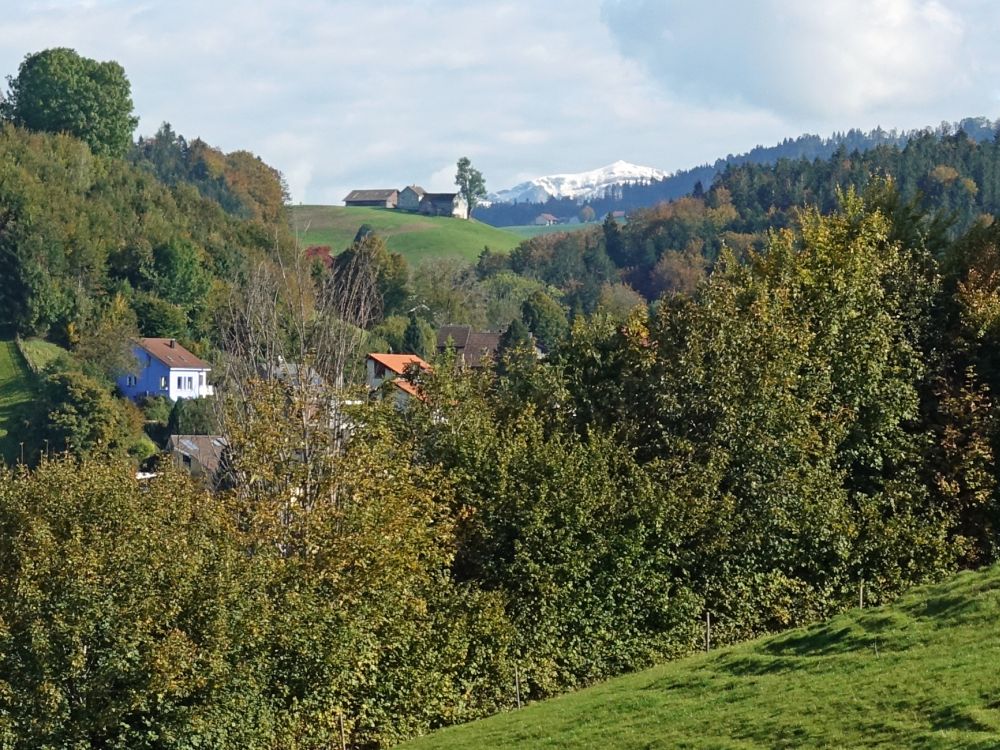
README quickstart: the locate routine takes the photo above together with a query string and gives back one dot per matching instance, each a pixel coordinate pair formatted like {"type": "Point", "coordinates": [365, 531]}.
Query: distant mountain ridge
{"type": "Point", "coordinates": [627, 196]}
{"type": "Point", "coordinates": [579, 186]}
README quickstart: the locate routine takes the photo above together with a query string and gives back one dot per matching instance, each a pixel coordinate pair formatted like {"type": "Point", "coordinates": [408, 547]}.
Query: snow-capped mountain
{"type": "Point", "coordinates": [580, 186]}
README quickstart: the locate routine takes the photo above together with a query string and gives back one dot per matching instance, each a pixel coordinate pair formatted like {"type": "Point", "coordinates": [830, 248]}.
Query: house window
{"type": "Point", "coordinates": [163, 382]}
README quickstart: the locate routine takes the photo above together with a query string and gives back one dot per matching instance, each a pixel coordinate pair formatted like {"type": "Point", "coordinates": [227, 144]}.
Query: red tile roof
{"type": "Point", "coordinates": [400, 363]}
{"type": "Point", "coordinates": [172, 354]}
{"type": "Point", "coordinates": [407, 387]}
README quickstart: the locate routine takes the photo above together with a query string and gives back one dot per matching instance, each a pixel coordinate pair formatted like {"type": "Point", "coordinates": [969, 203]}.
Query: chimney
{"type": "Point", "coordinates": [173, 343]}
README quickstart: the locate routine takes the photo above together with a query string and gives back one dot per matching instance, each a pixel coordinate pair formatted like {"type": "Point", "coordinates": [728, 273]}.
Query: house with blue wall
{"type": "Point", "coordinates": [165, 368]}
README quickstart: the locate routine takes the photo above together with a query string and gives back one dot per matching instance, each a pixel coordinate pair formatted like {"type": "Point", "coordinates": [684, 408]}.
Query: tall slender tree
{"type": "Point", "coordinates": [470, 183]}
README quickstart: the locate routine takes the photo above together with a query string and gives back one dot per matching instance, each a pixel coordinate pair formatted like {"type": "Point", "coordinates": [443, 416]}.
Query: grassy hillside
{"type": "Point", "coordinates": [415, 237]}
{"type": "Point", "coordinates": [920, 673]}
{"type": "Point", "coordinates": [532, 230]}
{"type": "Point", "coordinates": [41, 353]}
{"type": "Point", "coordinates": [16, 395]}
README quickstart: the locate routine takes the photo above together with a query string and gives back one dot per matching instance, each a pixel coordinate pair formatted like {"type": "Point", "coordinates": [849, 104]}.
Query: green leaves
{"type": "Point", "coordinates": [57, 91]}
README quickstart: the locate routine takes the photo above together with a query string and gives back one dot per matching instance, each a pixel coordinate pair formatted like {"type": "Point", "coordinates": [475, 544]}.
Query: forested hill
{"type": "Point", "coordinates": [686, 181]}
{"type": "Point", "coordinates": [956, 177]}
{"type": "Point", "coordinates": [78, 230]}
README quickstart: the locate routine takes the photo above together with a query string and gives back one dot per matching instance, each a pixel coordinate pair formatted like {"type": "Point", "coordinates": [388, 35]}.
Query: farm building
{"type": "Point", "coordinates": [409, 198]}
{"type": "Point", "coordinates": [378, 198]}
{"type": "Point", "coordinates": [444, 204]}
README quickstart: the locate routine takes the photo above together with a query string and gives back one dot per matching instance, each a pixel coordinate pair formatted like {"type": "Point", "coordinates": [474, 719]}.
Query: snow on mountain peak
{"type": "Point", "coordinates": [580, 186]}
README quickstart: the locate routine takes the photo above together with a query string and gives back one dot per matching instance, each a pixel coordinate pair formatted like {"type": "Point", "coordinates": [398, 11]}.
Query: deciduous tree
{"type": "Point", "coordinates": [470, 183]}
{"type": "Point", "coordinates": [58, 91]}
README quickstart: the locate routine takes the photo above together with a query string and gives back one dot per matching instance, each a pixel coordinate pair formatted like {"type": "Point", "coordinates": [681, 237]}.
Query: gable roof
{"type": "Point", "coordinates": [458, 334]}
{"type": "Point", "coordinates": [172, 354]}
{"type": "Point", "coordinates": [472, 345]}
{"type": "Point", "coordinates": [205, 449]}
{"type": "Point", "coordinates": [399, 363]}
{"type": "Point", "coordinates": [440, 197]}
{"type": "Point", "coordinates": [371, 195]}
{"type": "Point", "coordinates": [482, 344]}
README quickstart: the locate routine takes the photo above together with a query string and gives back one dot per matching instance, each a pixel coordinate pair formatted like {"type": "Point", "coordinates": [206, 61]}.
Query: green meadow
{"type": "Point", "coordinates": [920, 673]}
{"type": "Point", "coordinates": [413, 236]}
{"type": "Point", "coordinates": [16, 395]}
{"type": "Point", "coordinates": [531, 230]}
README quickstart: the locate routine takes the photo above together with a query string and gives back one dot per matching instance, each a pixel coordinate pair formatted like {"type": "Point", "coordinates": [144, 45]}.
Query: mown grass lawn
{"type": "Point", "coordinates": [415, 237]}
{"type": "Point", "coordinates": [41, 353]}
{"type": "Point", "coordinates": [16, 396]}
{"type": "Point", "coordinates": [922, 673]}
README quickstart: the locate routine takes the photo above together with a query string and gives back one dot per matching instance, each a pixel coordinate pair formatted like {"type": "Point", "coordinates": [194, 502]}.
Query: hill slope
{"type": "Point", "coordinates": [415, 237]}
{"type": "Point", "coordinates": [919, 673]}
{"type": "Point", "coordinates": [16, 396]}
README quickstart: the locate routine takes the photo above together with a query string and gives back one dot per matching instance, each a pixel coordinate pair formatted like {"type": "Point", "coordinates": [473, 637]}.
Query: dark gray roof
{"type": "Point", "coordinates": [458, 334]}
{"type": "Point", "coordinates": [371, 195]}
{"type": "Point", "coordinates": [205, 449]}
{"type": "Point", "coordinates": [471, 345]}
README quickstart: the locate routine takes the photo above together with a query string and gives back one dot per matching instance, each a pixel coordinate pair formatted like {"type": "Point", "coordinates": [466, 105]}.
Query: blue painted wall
{"type": "Point", "coordinates": [148, 377]}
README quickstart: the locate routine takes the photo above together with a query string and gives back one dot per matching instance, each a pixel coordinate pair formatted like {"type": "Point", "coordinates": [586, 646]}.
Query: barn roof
{"type": "Point", "coordinates": [371, 195]}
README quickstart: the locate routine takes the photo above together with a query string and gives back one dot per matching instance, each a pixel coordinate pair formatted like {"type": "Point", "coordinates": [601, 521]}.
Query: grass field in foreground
{"type": "Point", "coordinates": [414, 236]}
{"type": "Point", "coordinates": [16, 396]}
{"type": "Point", "coordinates": [921, 673]}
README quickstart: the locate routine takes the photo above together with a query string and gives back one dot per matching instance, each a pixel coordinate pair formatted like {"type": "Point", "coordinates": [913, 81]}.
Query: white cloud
{"type": "Point", "coordinates": [340, 94]}
{"type": "Point", "coordinates": [813, 60]}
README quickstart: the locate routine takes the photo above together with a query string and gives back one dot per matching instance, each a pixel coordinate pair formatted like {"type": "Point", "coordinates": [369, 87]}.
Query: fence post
{"type": "Point", "coordinates": [517, 684]}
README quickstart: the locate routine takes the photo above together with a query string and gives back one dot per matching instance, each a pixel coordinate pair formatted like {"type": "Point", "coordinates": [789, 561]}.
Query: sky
{"type": "Point", "coordinates": [386, 93]}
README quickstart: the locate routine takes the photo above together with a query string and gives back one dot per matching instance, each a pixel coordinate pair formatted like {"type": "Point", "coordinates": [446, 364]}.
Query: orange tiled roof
{"type": "Point", "coordinates": [400, 363]}
{"type": "Point", "coordinates": [407, 387]}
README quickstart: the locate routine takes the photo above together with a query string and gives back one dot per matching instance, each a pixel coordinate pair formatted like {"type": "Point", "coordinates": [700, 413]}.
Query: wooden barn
{"type": "Point", "coordinates": [376, 198]}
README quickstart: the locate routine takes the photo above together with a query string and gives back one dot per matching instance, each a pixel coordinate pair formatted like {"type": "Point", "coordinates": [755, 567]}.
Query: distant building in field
{"type": "Point", "coordinates": [410, 197]}
{"type": "Point", "coordinates": [546, 220]}
{"type": "Point", "coordinates": [165, 368]}
{"type": "Point", "coordinates": [444, 204]}
{"type": "Point", "coordinates": [372, 198]}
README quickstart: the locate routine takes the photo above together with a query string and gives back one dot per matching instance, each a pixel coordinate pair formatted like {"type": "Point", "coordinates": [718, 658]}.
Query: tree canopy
{"type": "Point", "coordinates": [470, 183]}
{"type": "Point", "coordinates": [58, 91]}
